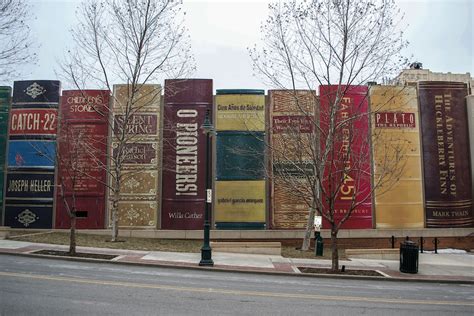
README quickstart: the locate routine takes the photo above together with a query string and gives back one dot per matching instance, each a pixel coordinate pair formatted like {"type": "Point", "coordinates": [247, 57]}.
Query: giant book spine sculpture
{"type": "Point", "coordinates": [292, 130]}
{"type": "Point", "coordinates": [5, 100]}
{"type": "Point", "coordinates": [184, 153]}
{"type": "Point", "coordinates": [136, 113]}
{"type": "Point", "coordinates": [240, 159]}
{"type": "Point", "coordinates": [445, 142]}
{"type": "Point", "coordinates": [31, 154]}
{"type": "Point", "coordinates": [82, 159]}
{"type": "Point", "coordinates": [351, 144]}
{"type": "Point", "coordinates": [396, 142]}
{"type": "Point", "coordinates": [470, 112]}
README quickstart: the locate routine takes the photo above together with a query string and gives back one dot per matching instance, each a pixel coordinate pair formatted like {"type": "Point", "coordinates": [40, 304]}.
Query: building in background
{"type": "Point", "coordinates": [416, 73]}
{"type": "Point", "coordinates": [257, 150]}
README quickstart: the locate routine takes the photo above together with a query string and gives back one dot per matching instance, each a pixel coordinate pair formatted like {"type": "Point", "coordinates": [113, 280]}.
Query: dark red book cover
{"type": "Point", "coordinates": [82, 142]}
{"type": "Point", "coordinates": [351, 160]}
{"type": "Point", "coordinates": [445, 143]}
{"type": "Point", "coordinates": [184, 153]}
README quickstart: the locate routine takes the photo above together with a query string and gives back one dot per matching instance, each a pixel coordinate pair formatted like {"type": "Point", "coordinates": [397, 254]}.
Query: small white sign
{"type": "Point", "coordinates": [318, 222]}
{"type": "Point", "coordinates": [209, 196]}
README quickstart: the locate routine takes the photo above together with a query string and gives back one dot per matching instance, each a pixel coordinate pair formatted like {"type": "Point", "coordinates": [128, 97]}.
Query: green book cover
{"type": "Point", "coordinates": [5, 100]}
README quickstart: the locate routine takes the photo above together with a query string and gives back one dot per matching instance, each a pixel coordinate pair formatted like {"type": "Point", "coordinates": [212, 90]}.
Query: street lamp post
{"type": "Point", "coordinates": [206, 250]}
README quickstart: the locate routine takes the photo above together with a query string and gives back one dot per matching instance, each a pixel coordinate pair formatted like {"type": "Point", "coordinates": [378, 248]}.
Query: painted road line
{"type": "Point", "coordinates": [235, 292]}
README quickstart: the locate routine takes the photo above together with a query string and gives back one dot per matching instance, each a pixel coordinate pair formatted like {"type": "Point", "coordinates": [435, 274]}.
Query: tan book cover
{"type": "Point", "coordinates": [140, 192]}
{"type": "Point", "coordinates": [396, 127]}
{"type": "Point", "coordinates": [291, 119]}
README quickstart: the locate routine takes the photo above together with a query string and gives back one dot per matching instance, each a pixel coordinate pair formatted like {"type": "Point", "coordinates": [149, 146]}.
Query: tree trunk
{"type": "Point", "coordinates": [72, 236]}
{"type": "Point", "coordinates": [335, 253]}
{"type": "Point", "coordinates": [114, 218]}
{"type": "Point", "coordinates": [309, 229]}
{"type": "Point", "coordinates": [116, 197]}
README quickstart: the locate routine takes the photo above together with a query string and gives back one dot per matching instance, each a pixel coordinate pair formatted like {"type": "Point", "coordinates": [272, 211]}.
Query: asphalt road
{"type": "Point", "coordinates": [34, 286]}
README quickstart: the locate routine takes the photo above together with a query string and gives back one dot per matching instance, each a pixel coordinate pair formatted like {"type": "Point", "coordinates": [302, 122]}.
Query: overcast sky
{"type": "Point", "coordinates": [440, 35]}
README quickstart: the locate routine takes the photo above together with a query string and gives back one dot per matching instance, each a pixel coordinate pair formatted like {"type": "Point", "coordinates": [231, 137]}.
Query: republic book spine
{"type": "Point", "coordinates": [396, 141]}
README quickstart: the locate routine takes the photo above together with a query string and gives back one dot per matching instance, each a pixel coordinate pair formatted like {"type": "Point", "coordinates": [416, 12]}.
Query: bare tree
{"type": "Point", "coordinates": [74, 151]}
{"type": "Point", "coordinates": [337, 45]}
{"type": "Point", "coordinates": [135, 42]}
{"type": "Point", "coordinates": [17, 47]}
{"type": "Point", "coordinates": [70, 158]}
{"type": "Point", "coordinates": [81, 156]}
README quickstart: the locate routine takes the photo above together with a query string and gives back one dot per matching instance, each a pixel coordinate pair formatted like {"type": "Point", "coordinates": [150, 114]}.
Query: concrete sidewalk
{"type": "Point", "coordinates": [432, 267]}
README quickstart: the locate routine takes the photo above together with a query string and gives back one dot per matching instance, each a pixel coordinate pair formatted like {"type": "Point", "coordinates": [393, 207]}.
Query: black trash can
{"type": "Point", "coordinates": [409, 257]}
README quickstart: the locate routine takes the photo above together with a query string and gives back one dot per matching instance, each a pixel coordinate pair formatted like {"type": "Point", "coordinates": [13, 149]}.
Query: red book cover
{"type": "Point", "coordinates": [351, 154]}
{"type": "Point", "coordinates": [445, 143]}
{"type": "Point", "coordinates": [82, 143]}
{"type": "Point", "coordinates": [184, 153]}
{"type": "Point", "coordinates": [33, 121]}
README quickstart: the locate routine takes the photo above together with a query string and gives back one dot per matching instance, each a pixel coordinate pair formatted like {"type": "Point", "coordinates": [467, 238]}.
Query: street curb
{"type": "Point", "coordinates": [221, 269]}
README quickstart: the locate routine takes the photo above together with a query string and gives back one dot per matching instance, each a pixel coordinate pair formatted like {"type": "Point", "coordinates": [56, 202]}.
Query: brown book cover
{"type": "Point", "coordinates": [446, 164]}
{"type": "Point", "coordinates": [470, 112]}
{"type": "Point", "coordinates": [291, 129]}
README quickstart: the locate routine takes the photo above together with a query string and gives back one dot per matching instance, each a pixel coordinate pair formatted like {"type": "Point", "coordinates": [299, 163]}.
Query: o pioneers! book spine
{"type": "Point", "coordinates": [184, 153]}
